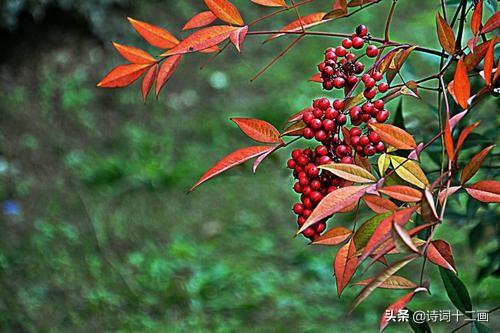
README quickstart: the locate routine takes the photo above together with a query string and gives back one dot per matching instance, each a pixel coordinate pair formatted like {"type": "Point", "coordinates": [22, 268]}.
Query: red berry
{"type": "Point", "coordinates": [352, 80]}
{"type": "Point", "coordinates": [298, 208]}
{"type": "Point", "coordinates": [308, 133]}
{"type": "Point", "coordinates": [320, 227]}
{"type": "Point", "coordinates": [315, 124]}
{"type": "Point", "coordinates": [361, 30]}
{"type": "Point", "coordinates": [364, 140]}
{"type": "Point", "coordinates": [370, 93]}
{"type": "Point", "coordinates": [347, 43]}
{"type": "Point", "coordinates": [369, 83]}
{"type": "Point", "coordinates": [338, 82]}
{"type": "Point", "coordinates": [323, 103]}
{"type": "Point", "coordinates": [331, 113]}
{"type": "Point", "coordinates": [316, 196]}
{"type": "Point", "coordinates": [365, 77]}
{"type": "Point", "coordinates": [341, 151]}
{"type": "Point", "coordinates": [346, 160]}
{"type": "Point", "coordinates": [328, 71]}
{"type": "Point", "coordinates": [380, 147]}
{"type": "Point", "coordinates": [377, 75]}
{"type": "Point", "coordinates": [306, 213]}
{"type": "Point", "coordinates": [330, 56]}
{"type": "Point", "coordinates": [340, 51]}
{"type": "Point", "coordinates": [350, 56]}
{"type": "Point", "coordinates": [358, 67]}
{"type": "Point", "coordinates": [341, 120]}
{"type": "Point", "coordinates": [372, 51]}
{"type": "Point", "coordinates": [291, 164]}
{"type": "Point", "coordinates": [338, 104]}
{"type": "Point", "coordinates": [367, 108]}
{"type": "Point", "coordinates": [328, 125]}
{"type": "Point", "coordinates": [313, 171]}
{"type": "Point", "coordinates": [321, 66]}
{"type": "Point", "coordinates": [383, 87]}
{"type": "Point", "coordinates": [315, 185]}
{"type": "Point", "coordinates": [308, 117]}
{"type": "Point", "coordinates": [379, 104]}
{"type": "Point", "coordinates": [382, 116]}
{"type": "Point", "coordinates": [355, 131]}
{"type": "Point", "coordinates": [320, 135]}
{"type": "Point", "coordinates": [327, 85]}
{"type": "Point", "coordinates": [297, 187]}
{"type": "Point", "coordinates": [369, 150]}
{"type": "Point", "coordinates": [300, 220]}
{"type": "Point", "coordinates": [307, 202]}
{"type": "Point", "coordinates": [357, 42]}
{"type": "Point", "coordinates": [309, 232]}
{"type": "Point", "coordinates": [325, 160]}
{"type": "Point", "coordinates": [318, 113]}
{"type": "Point", "coordinates": [374, 137]}
{"type": "Point", "coordinates": [321, 150]}
{"type": "Point", "coordinates": [355, 112]}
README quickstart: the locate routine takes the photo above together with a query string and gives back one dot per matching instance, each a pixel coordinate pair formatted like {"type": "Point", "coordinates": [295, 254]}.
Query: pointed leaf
{"type": "Point", "coordinates": [489, 62]}
{"type": "Point", "coordinates": [383, 163]}
{"type": "Point", "coordinates": [156, 36]}
{"type": "Point", "coordinates": [477, 16]}
{"type": "Point", "coordinates": [345, 265]}
{"type": "Point", "coordinates": [379, 204]}
{"type": "Point", "coordinates": [428, 208]}
{"type": "Point", "coordinates": [447, 193]}
{"type": "Point", "coordinates": [445, 34]}
{"type": "Point", "coordinates": [296, 129]}
{"type": "Point", "coordinates": [270, 3]}
{"type": "Point", "coordinates": [225, 10]}
{"type": "Point", "coordinates": [238, 36]}
{"type": "Point", "coordinates": [402, 240]}
{"type": "Point", "coordinates": [410, 171]}
{"type": "Point", "coordinates": [393, 282]}
{"type": "Point", "coordinates": [166, 71]}
{"type": "Point", "coordinates": [381, 278]}
{"type": "Point", "coordinates": [148, 81]}
{"type": "Point", "coordinates": [448, 139]}
{"type": "Point", "coordinates": [308, 21]}
{"type": "Point", "coordinates": [461, 86]}
{"type": "Point", "coordinates": [474, 164]}
{"type": "Point", "coordinates": [339, 9]}
{"type": "Point", "coordinates": [471, 60]}
{"type": "Point", "coordinates": [463, 135]}
{"type": "Point", "coordinates": [366, 230]}
{"type": "Point", "coordinates": [353, 101]}
{"type": "Point", "coordinates": [200, 20]}
{"type": "Point", "coordinates": [439, 252]}
{"type": "Point", "coordinates": [492, 23]}
{"type": "Point", "coordinates": [316, 78]}
{"type": "Point", "coordinates": [395, 308]}
{"type": "Point", "coordinates": [134, 54]}
{"type": "Point", "coordinates": [394, 136]}
{"type": "Point", "coordinates": [333, 236]}
{"type": "Point", "coordinates": [298, 116]}
{"type": "Point", "coordinates": [402, 193]}
{"type": "Point", "coordinates": [123, 75]}
{"type": "Point", "coordinates": [235, 158]}
{"type": "Point", "coordinates": [335, 202]}
{"type": "Point", "coordinates": [202, 39]}
{"type": "Point", "coordinates": [349, 172]}
{"type": "Point", "coordinates": [456, 290]}
{"type": "Point", "coordinates": [262, 157]}
{"type": "Point", "coordinates": [355, 3]}
{"type": "Point", "coordinates": [485, 191]}
{"type": "Point", "coordinates": [258, 130]}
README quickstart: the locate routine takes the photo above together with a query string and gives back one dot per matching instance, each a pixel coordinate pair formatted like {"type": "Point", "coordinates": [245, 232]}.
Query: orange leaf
{"type": "Point", "coordinates": [489, 62]}
{"type": "Point", "coordinates": [394, 308]}
{"type": "Point", "coordinates": [316, 78]}
{"type": "Point", "coordinates": [134, 54]}
{"type": "Point", "coordinates": [258, 130]}
{"type": "Point", "coordinates": [474, 164]}
{"type": "Point", "coordinates": [355, 3]}
{"type": "Point", "coordinates": [439, 252]}
{"type": "Point", "coordinates": [270, 3]}
{"type": "Point", "coordinates": [471, 60]}
{"type": "Point", "coordinates": [166, 71]}
{"type": "Point", "coordinates": [461, 85]}
{"type": "Point", "coordinates": [225, 10]}
{"type": "Point", "coordinates": [335, 202]}
{"type": "Point", "coordinates": [339, 9]}
{"type": "Point", "coordinates": [262, 157]}
{"type": "Point", "coordinates": [296, 129]}
{"type": "Point", "coordinates": [148, 81]}
{"type": "Point", "coordinates": [394, 136]}
{"type": "Point", "coordinates": [238, 36]}
{"type": "Point", "coordinates": [448, 138]}
{"type": "Point", "coordinates": [463, 135]}
{"type": "Point", "coordinates": [485, 191]}
{"type": "Point", "coordinates": [394, 282]}
{"type": "Point", "coordinates": [333, 236]}
{"type": "Point", "coordinates": [379, 204]}
{"type": "Point", "coordinates": [492, 23]}
{"type": "Point", "coordinates": [402, 193]}
{"type": "Point", "coordinates": [202, 39]}
{"type": "Point", "coordinates": [445, 34]}
{"type": "Point", "coordinates": [233, 159]}
{"type": "Point", "coordinates": [200, 20]}
{"type": "Point", "coordinates": [477, 16]}
{"type": "Point", "coordinates": [154, 35]}
{"type": "Point", "coordinates": [344, 265]}
{"type": "Point", "coordinates": [308, 21]}
{"type": "Point", "coordinates": [123, 75]}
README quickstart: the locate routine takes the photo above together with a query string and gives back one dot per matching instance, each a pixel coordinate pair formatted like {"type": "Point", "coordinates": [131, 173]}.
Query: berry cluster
{"type": "Point", "coordinates": [326, 121]}
{"type": "Point", "coordinates": [340, 67]}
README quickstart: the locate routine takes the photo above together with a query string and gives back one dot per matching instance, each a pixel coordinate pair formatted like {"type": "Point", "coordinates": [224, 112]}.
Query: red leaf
{"type": "Point", "coordinates": [166, 71]}
{"type": "Point", "coordinates": [308, 21]}
{"type": "Point", "coordinates": [445, 34]}
{"type": "Point", "coordinates": [238, 36]}
{"type": "Point", "coordinates": [134, 54]}
{"type": "Point", "coordinates": [258, 130]}
{"type": "Point", "coordinates": [394, 282]}
{"type": "Point", "coordinates": [202, 39]}
{"type": "Point", "coordinates": [379, 204]}
{"type": "Point", "coordinates": [439, 252]}
{"type": "Point", "coordinates": [485, 191]}
{"type": "Point", "coordinates": [447, 192]}
{"type": "Point", "coordinates": [477, 16]}
{"type": "Point", "coordinates": [463, 135]}
{"type": "Point", "coordinates": [200, 20]}
{"type": "Point", "coordinates": [123, 75]}
{"type": "Point", "coordinates": [339, 9]}
{"type": "Point", "coordinates": [296, 129]}
{"type": "Point", "coordinates": [298, 116]}
{"type": "Point", "coordinates": [402, 193]}
{"type": "Point", "coordinates": [355, 3]}
{"type": "Point", "coordinates": [402, 239]}
{"type": "Point", "coordinates": [270, 3]}
{"type": "Point", "coordinates": [233, 159]}
{"type": "Point", "coordinates": [154, 35]}
{"type": "Point", "coordinates": [461, 86]}
{"type": "Point", "coordinates": [225, 10]}
{"type": "Point", "coordinates": [394, 308]}
{"type": "Point", "coordinates": [474, 164]}
{"type": "Point", "coordinates": [335, 202]}
{"type": "Point", "coordinates": [448, 138]}
{"type": "Point", "coordinates": [394, 136]}
{"type": "Point", "coordinates": [316, 78]}
{"type": "Point", "coordinates": [262, 157]}
{"type": "Point", "coordinates": [489, 62]}
{"type": "Point", "coordinates": [471, 60]}
{"type": "Point", "coordinates": [344, 265]}
{"type": "Point", "coordinates": [383, 230]}
{"type": "Point", "coordinates": [333, 236]}
{"type": "Point", "coordinates": [148, 81]}
{"type": "Point", "coordinates": [492, 23]}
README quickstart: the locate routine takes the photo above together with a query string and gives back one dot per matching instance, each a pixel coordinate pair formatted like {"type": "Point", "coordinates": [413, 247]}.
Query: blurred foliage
{"type": "Point", "coordinates": [97, 231]}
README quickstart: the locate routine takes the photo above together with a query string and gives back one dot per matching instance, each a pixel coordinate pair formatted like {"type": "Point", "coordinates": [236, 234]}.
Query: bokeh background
{"type": "Point", "coordinates": [98, 233]}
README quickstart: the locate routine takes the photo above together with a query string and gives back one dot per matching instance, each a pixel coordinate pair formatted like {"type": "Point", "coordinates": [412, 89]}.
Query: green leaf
{"type": "Point", "coordinates": [418, 327]}
{"type": "Point", "coordinates": [366, 230]}
{"type": "Point", "coordinates": [477, 327]}
{"type": "Point", "coordinates": [399, 120]}
{"type": "Point", "coordinates": [456, 290]}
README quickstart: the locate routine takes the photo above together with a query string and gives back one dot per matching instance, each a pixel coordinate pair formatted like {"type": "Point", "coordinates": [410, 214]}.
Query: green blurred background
{"type": "Point", "coordinates": [98, 233]}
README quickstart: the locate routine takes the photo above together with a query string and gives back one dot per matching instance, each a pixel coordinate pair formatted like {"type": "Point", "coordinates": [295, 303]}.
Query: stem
{"type": "Point", "coordinates": [389, 19]}
{"type": "Point", "coordinates": [461, 27]}
{"type": "Point", "coordinates": [298, 16]}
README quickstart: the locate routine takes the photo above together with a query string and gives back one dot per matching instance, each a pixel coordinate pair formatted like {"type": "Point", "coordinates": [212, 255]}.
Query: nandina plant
{"type": "Point", "coordinates": [350, 155]}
